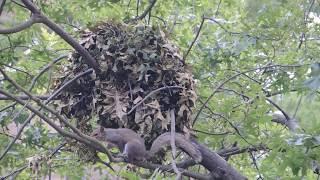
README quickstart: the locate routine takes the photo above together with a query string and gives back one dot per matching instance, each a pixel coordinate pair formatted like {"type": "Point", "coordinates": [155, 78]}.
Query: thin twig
{"type": "Point", "coordinates": [279, 108]}
{"type": "Point", "coordinates": [2, 5]}
{"type": "Point", "coordinates": [25, 166]}
{"type": "Point", "coordinates": [145, 13]}
{"type": "Point", "coordinates": [34, 80]}
{"type": "Point", "coordinates": [7, 107]}
{"type": "Point", "coordinates": [20, 27]}
{"type": "Point", "coordinates": [218, 7]}
{"type": "Point", "coordinates": [11, 136]}
{"type": "Point", "coordinates": [231, 78]}
{"type": "Point", "coordinates": [213, 134]}
{"type": "Point", "coordinates": [32, 115]}
{"type": "Point", "coordinates": [13, 172]}
{"type": "Point", "coordinates": [17, 69]}
{"type": "Point", "coordinates": [297, 107]}
{"type": "Point", "coordinates": [39, 17]}
{"type": "Point", "coordinates": [24, 97]}
{"type": "Point", "coordinates": [137, 7]}
{"type": "Point", "coordinates": [79, 136]}
{"type": "Point", "coordinates": [305, 18]}
{"type": "Point", "coordinates": [255, 165]}
{"type": "Point", "coordinates": [194, 40]}
{"type": "Point", "coordinates": [21, 5]}
{"type": "Point", "coordinates": [150, 94]}
{"type": "Point", "coordinates": [25, 123]}
{"type": "Point", "coordinates": [173, 145]}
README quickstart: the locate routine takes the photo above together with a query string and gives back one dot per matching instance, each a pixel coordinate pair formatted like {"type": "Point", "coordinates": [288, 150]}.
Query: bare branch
{"type": "Point", "coordinates": [8, 106]}
{"type": "Point", "coordinates": [69, 39]}
{"type": "Point", "coordinates": [218, 167]}
{"type": "Point", "coordinates": [236, 150]}
{"type": "Point", "coordinates": [215, 91]}
{"type": "Point", "coordinates": [194, 40]}
{"type": "Point", "coordinates": [33, 115]}
{"type": "Point", "coordinates": [145, 13]}
{"type": "Point", "coordinates": [173, 145]}
{"type": "Point", "coordinates": [3, 2]}
{"type": "Point", "coordinates": [234, 76]}
{"type": "Point", "coordinates": [218, 7]}
{"type": "Point", "coordinates": [168, 168]}
{"type": "Point", "coordinates": [279, 108]}
{"type": "Point", "coordinates": [19, 170]}
{"type": "Point", "coordinates": [17, 135]}
{"type": "Point", "coordinates": [34, 80]}
{"type": "Point", "coordinates": [14, 172]}
{"type": "Point", "coordinates": [33, 19]}
{"type": "Point", "coordinates": [24, 97]}
{"type": "Point", "coordinates": [17, 69]}
{"type": "Point", "coordinates": [254, 161]}
{"type": "Point", "coordinates": [212, 134]}
{"type": "Point", "coordinates": [150, 94]}
{"type": "Point", "coordinates": [87, 140]}
{"type": "Point", "coordinates": [12, 137]}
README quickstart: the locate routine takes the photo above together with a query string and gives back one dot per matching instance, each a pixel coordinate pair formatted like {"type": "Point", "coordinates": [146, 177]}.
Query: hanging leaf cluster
{"type": "Point", "coordinates": [135, 60]}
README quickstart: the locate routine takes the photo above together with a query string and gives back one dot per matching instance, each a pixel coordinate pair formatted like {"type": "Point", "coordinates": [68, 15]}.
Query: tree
{"type": "Point", "coordinates": [255, 64]}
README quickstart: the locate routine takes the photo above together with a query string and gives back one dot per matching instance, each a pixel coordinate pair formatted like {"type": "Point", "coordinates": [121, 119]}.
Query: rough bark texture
{"type": "Point", "coordinates": [218, 167]}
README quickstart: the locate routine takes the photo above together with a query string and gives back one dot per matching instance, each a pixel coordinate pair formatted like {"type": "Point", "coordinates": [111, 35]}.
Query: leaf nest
{"type": "Point", "coordinates": [141, 73]}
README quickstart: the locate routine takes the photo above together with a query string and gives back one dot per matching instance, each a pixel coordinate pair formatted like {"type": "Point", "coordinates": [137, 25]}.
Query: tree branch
{"type": "Point", "coordinates": [33, 115]}
{"type": "Point", "coordinates": [33, 19]}
{"type": "Point", "coordinates": [144, 14]}
{"type": "Point", "coordinates": [173, 145]}
{"type": "Point", "coordinates": [279, 108]}
{"type": "Point", "coordinates": [150, 94]}
{"type": "Point", "coordinates": [168, 168]}
{"type": "Point", "coordinates": [34, 80]}
{"type": "Point", "coordinates": [218, 167]}
{"type": "Point", "coordinates": [24, 97]}
{"type": "Point", "coordinates": [194, 40]}
{"type": "Point", "coordinates": [45, 20]}
{"type": "Point", "coordinates": [3, 2]}
{"type": "Point", "coordinates": [87, 140]}
{"type": "Point", "coordinates": [232, 77]}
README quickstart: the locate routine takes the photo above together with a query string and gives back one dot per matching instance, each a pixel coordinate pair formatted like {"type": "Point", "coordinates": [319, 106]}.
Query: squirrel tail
{"type": "Point", "coordinates": [181, 142]}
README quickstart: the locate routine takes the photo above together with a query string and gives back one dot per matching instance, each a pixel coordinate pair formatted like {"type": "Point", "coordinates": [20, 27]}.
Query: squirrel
{"type": "Point", "coordinates": [132, 145]}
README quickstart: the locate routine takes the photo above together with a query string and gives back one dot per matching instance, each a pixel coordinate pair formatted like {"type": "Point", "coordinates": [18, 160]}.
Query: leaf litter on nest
{"type": "Point", "coordinates": [134, 61]}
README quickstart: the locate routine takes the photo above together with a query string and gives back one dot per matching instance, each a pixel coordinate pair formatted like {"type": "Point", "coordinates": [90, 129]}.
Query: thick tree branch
{"type": "Point", "coordinates": [168, 168]}
{"type": "Point", "coordinates": [218, 167]}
